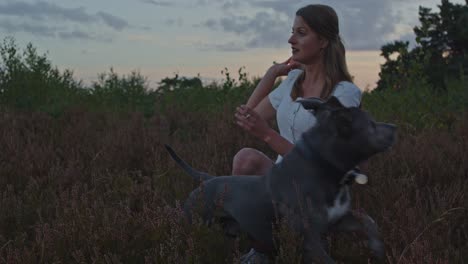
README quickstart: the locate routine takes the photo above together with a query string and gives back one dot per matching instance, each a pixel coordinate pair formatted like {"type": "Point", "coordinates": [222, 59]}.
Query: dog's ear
{"type": "Point", "coordinates": [311, 103]}
{"type": "Point", "coordinates": [343, 122]}
{"type": "Point", "coordinates": [333, 103]}
{"type": "Point", "coordinates": [315, 103]}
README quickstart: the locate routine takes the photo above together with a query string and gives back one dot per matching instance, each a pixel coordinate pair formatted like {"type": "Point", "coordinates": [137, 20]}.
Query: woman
{"type": "Point", "coordinates": [317, 68]}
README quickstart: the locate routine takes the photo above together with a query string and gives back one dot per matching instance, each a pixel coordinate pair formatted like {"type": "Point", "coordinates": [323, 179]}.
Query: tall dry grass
{"type": "Point", "coordinates": [99, 188]}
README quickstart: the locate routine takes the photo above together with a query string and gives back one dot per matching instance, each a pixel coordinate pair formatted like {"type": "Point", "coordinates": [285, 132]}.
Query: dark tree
{"type": "Point", "coordinates": [441, 51]}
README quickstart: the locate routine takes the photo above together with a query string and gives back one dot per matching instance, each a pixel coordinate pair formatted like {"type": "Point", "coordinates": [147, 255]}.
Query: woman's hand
{"type": "Point", "coordinates": [281, 69]}
{"type": "Point", "coordinates": [252, 122]}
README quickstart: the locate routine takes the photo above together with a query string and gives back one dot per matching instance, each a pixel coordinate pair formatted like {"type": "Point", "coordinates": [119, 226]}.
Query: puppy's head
{"type": "Point", "coordinates": [349, 130]}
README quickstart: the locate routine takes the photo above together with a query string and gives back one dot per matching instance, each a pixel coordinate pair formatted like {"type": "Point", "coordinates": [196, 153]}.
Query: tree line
{"type": "Point", "coordinates": [30, 82]}
{"type": "Point", "coordinates": [440, 54]}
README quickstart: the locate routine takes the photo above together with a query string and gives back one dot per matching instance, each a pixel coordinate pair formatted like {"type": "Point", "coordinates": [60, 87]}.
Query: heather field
{"type": "Point", "coordinates": [84, 176]}
{"type": "Point", "coordinates": [99, 187]}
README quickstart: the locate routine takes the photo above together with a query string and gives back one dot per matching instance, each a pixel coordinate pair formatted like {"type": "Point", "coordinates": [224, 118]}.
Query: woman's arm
{"type": "Point", "coordinates": [266, 84]}
{"type": "Point", "coordinates": [263, 88]}
{"type": "Point", "coordinates": [253, 122]}
{"type": "Point", "coordinates": [258, 111]}
{"type": "Point", "coordinates": [278, 143]}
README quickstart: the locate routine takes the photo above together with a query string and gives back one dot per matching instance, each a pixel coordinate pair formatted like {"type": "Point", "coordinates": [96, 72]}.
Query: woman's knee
{"type": "Point", "coordinates": [249, 161]}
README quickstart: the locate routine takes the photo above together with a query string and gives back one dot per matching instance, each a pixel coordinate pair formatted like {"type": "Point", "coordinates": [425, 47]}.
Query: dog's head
{"type": "Point", "coordinates": [348, 131]}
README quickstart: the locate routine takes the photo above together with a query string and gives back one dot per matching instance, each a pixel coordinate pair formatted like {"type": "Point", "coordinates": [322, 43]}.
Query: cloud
{"type": "Point", "coordinates": [46, 31]}
{"type": "Point", "coordinates": [34, 29]}
{"type": "Point", "coordinates": [158, 3]}
{"type": "Point", "coordinates": [75, 34]}
{"type": "Point", "coordinates": [174, 22]}
{"type": "Point", "coordinates": [231, 46]}
{"type": "Point", "coordinates": [282, 7]}
{"type": "Point", "coordinates": [364, 24]}
{"type": "Point", "coordinates": [227, 5]}
{"type": "Point", "coordinates": [262, 30]}
{"type": "Point", "coordinates": [113, 21]}
{"type": "Point", "coordinates": [42, 10]}
{"type": "Point", "coordinates": [36, 19]}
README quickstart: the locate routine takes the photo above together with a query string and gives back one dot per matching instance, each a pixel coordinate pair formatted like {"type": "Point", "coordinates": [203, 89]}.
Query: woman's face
{"type": "Point", "coordinates": [305, 42]}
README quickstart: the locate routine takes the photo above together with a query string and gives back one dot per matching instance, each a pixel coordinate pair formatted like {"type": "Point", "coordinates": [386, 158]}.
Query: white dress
{"type": "Point", "coordinates": [292, 118]}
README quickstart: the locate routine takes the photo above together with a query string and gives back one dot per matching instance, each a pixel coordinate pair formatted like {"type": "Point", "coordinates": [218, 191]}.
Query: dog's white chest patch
{"type": "Point", "coordinates": [340, 205]}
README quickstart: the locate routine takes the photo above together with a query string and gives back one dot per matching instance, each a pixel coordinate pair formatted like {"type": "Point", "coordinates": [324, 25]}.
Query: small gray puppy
{"type": "Point", "coordinates": [306, 187]}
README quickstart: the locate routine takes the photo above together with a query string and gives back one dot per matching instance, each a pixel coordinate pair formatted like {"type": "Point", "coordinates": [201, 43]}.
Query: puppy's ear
{"type": "Point", "coordinates": [312, 103]}
{"type": "Point", "coordinates": [333, 103]}
{"type": "Point", "coordinates": [315, 103]}
{"type": "Point", "coordinates": [343, 121]}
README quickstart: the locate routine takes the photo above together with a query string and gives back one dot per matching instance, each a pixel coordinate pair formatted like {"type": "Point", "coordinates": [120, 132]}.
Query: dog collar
{"type": "Point", "coordinates": [324, 163]}
{"type": "Point", "coordinates": [347, 177]}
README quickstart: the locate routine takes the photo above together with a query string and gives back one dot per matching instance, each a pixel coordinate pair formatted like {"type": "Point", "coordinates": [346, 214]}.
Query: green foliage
{"type": "Point", "coordinates": [419, 106]}
{"type": "Point", "coordinates": [170, 84]}
{"type": "Point", "coordinates": [28, 81]}
{"type": "Point", "coordinates": [441, 52]}
{"type": "Point", "coordinates": [122, 94]}
{"type": "Point", "coordinates": [189, 95]}
{"type": "Point", "coordinates": [402, 68]}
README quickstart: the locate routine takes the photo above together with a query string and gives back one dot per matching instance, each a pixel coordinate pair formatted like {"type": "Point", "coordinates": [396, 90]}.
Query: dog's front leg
{"type": "Point", "coordinates": [314, 251]}
{"type": "Point", "coordinates": [361, 222]}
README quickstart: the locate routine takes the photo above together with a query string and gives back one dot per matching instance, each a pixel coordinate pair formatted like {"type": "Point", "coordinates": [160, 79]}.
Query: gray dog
{"type": "Point", "coordinates": [307, 187]}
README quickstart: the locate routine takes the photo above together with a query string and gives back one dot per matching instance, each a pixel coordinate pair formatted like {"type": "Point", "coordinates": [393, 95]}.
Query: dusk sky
{"type": "Point", "coordinates": [190, 37]}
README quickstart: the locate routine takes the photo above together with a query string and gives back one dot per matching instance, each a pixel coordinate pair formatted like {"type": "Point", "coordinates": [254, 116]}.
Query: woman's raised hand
{"type": "Point", "coordinates": [281, 69]}
{"type": "Point", "coordinates": [252, 122]}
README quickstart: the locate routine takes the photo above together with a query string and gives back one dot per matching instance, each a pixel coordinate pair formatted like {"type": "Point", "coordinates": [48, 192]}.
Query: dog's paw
{"type": "Point", "coordinates": [378, 248]}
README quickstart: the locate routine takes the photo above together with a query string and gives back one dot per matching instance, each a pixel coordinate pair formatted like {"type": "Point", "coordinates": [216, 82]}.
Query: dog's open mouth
{"type": "Point", "coordinates": [387, 136]}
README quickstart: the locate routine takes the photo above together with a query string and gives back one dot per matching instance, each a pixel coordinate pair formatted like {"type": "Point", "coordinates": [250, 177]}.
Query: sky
{"type": "Point", "coordinates": [161, 38]}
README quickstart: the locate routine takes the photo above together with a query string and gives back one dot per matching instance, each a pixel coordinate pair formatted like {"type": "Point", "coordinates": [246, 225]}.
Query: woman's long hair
{"type": "Point", "coordinates": [324, 21]}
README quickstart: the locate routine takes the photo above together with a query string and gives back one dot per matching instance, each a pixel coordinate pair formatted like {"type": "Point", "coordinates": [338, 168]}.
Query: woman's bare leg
{"type": "Point", "coordinates": [249, 161]}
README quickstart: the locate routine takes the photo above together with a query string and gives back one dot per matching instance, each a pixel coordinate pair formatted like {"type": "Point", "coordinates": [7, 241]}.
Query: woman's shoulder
{"type": "Point", "coordinates": [294, 74]}
{"type": "Point", "coordinates": [346, 85]}
{"type": "Point", "coordinates": [285, 87]}
{"type": "Point", "coordinates": [348, 93]}
{"type": "Point", "coordinates": [288, 82]}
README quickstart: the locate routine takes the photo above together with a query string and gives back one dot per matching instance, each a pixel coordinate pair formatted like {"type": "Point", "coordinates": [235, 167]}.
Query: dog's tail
{"type": "Point", "coordinates": [196, 175]}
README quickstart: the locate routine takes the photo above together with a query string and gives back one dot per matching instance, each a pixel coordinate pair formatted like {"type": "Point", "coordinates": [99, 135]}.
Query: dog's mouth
{"type": "Point", "coordinates": [388, 147]}
{"type": "Point", "coordinates": [387, 136]}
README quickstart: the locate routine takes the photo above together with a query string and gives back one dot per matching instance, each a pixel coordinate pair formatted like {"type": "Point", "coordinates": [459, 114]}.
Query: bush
{"type": "Point", "coordinates": [419, 106]}
{"type": "Point", "coordinates": [29, 82]}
